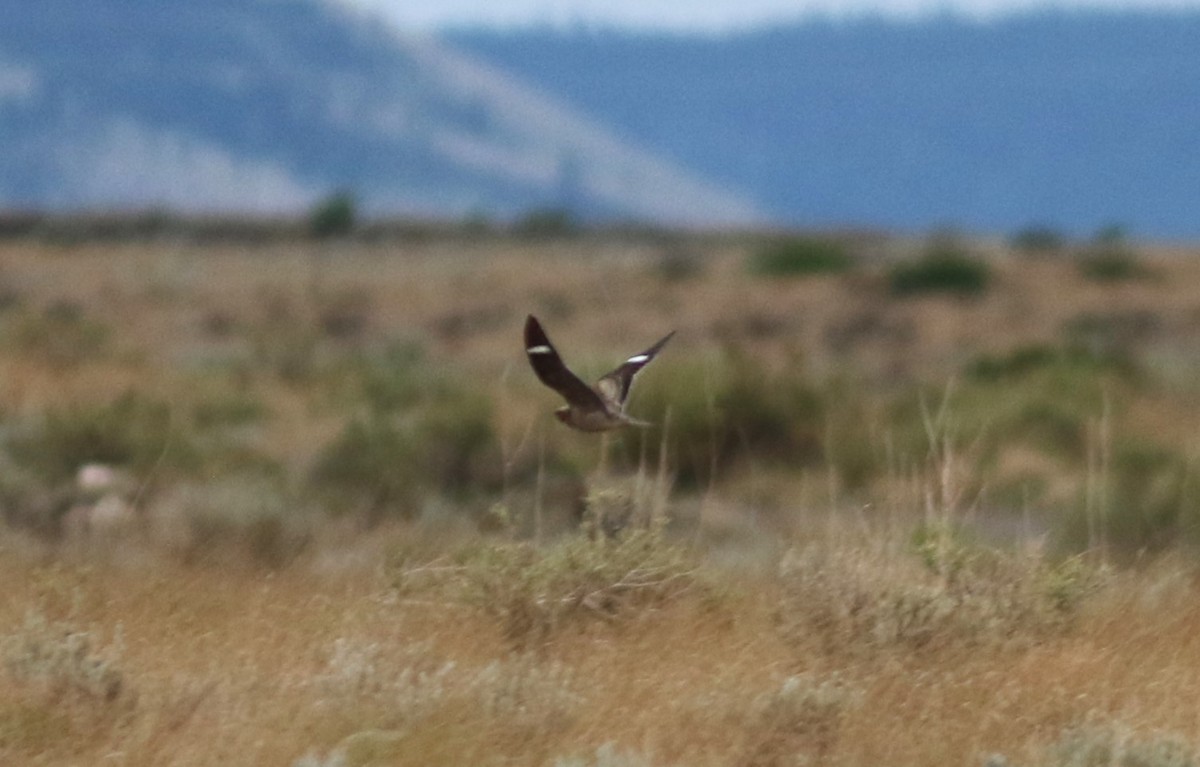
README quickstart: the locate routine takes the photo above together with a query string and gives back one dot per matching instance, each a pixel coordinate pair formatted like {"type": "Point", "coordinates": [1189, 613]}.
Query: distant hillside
{"type": "Point", "coordinates": [268, 105]}
{"type": "Point", "coordinates": [1075, 120]}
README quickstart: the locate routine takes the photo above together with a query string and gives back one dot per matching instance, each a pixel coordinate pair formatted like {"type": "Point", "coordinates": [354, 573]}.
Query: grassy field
{"type": "Point", "coordinates": [907, 502]}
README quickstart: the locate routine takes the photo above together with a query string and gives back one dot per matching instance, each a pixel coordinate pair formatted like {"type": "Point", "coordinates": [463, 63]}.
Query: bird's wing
{"type": "Point", "coordinates": [551, 370]}
{"type": "Point", "coordinates": [615, 386]}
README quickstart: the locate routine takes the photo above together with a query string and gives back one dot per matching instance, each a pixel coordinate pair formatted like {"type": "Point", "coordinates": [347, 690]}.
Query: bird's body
{"type": "Point", "coordinates": [589, 408]}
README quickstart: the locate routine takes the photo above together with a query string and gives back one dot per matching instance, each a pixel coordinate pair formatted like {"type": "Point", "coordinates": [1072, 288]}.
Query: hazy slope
{"type": "Point", "coordinates": [269, 104]}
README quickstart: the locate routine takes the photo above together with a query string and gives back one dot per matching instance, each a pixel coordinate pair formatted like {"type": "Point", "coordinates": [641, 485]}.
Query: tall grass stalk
{"type": "Point", "coordinates": [539, 489]}
{"type": "Point", "coordinates": [1098, 481]}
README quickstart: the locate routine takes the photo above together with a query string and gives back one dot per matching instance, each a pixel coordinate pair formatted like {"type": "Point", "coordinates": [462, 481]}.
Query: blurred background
{"type": "Point", "coordinates": [278, 485]}
{"type": "Point", "coordinates": [983, 115]}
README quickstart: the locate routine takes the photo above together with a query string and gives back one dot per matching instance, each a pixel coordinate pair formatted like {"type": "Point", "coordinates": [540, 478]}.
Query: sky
{"type": "Point", "coordinates": [701, 15]}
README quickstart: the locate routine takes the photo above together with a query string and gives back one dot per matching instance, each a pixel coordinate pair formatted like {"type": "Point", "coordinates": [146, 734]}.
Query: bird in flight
{"type": "Point", "coordinates": [589, 408]}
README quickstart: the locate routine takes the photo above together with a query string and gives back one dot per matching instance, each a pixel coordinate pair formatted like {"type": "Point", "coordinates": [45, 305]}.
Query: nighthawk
{"type": "Point", "coordinates": [589, 408]}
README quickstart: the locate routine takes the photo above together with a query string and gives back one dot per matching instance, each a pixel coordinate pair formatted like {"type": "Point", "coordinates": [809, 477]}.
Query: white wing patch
{"type": "Point", "coordinates": [637, 358]}
{"type": "Point", "coordinates": [543, 349]}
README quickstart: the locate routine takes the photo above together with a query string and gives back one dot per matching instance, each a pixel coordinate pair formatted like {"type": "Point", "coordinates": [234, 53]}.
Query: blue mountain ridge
{"type": "Point", "coordinates": [1077, 120]}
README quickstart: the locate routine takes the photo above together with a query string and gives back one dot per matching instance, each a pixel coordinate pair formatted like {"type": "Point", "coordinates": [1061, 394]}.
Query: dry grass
{"type": "Point", "coordinates": [220, 667]}
{"type": "Point", "coordinates": [787, 615]}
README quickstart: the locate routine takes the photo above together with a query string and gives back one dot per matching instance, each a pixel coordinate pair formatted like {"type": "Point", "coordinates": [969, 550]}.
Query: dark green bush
{"type": "Point", "coordinates": [1112, 264]}
{"type": "Point", "coordinates": [1110, 258]}
{"type": "Point", "coordinates": [861, 599]}
{"type": "Point", "coordinates": [284, 338]}
{"type": "Point", "coordinates": [134, 432]}
{"type": "Point", "coordinates": [225, 409]}
{"type": "Point", "coordinates": [61, 335]}
{"type": "Point", "coordinates": [393, 380]}
{"type": "Point", "coordinates": [370, 467]}
{"type": "Point", "coordinates": [679, 264]}
{"type": "Point", "coordinates": [385, 463]}
{"type": "Point", "coordinates": [344, 315]}
{"type": "Point", "coordinates": [546, 222]}
{"type": "Point", "coordinates": [797, 256]}
{"type": "Point", "coordinates": [1032, 358]}
{"type": "Point", "coordinates": [1152, 500]}
{"type": "Point", "coordinates": [534, 592]}
{"type": "Point", "coordinates": [1042, 397]}
{"type": "Point", "coordinates": [1038, 239]}
{"type": "Point", "coordinates": [1019, 420]}
{"type": "Point", "coordinates": [458, 452]}
{"type": "Point", "coordinates": [723, 411]}
{"type": "Point", "coordinates": [1145, 499]}
{"type": "Point", "coordinates": [1014, 364]}
{"type": "Point", "coordinates": [334, 216]}
{"type": "Point", "coordinates": [943, 269]}
{"type": "Point", "coordinates": [851, 447]}
{"type": "Point", "coordinates": [1054, 425]}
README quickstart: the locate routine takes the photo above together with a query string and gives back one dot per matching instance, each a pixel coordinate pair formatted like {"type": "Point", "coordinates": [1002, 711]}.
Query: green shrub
{"type": "Point", "coordinates": [851, 442]}
{"type": "Point", "coordinates": [1042, 396]}
{"type": "Point", "coordinates": [442, 709]}
{"type": "Point", "coordinates": [60, 660]}
{"type": "Point", "coordinates": [384, 463]}
{"type": "Point", "coordinates": [1146, 499]}
{"type": "Point", "coordinates": [1038, 239]}
{"type": "Point", "coordinates": [1116, 336]}
{"type": "Point", "coordinates": [546, 222]}
{"type": "Point", "coordinates": [798, 256]}
{"type": "Point", "coordinates": [1114, 745]}
{"type": "Point", "coordinates": [945, 268]}
{"type": "Point", "coordinates": [678, 264]}
{"type": "Point", "coordinates": [458, 455]}
{"type": "Point", "coordinates": [534, 592]}
{"type": "Point", "coordinates": [714, 412]}
{"type": "Point", "coordinates": [1035, 396]}
{"type": "Point", "coordinates": [344, 315]}
{"type": "Point", "coordinates": [391, 381]}
{"type": "Point", "coordinates": [1014, 364]}
{"type": "Point", "coordinates": [145, 441]}
{"type": "Point", "coordinates": [228, 409]}
{"type": "Point", "coordinates": [1110, 258]}
{"type": "Point", "coordinates": [1112, 265]}
{"type": "Point", "coordinates": [58, 684]}
{"type": "Point", "coordinates": [334, 216]}
{"type": "Point", "coordinates": [243, 515]}
{"type": "Point", "coordinates": [284, 338]}
{"type": "Point", "coordinates": [864, 599]}
{"type": "Point", "coordinates": [1026, 360]}
{"type": "Point", "coordinates": [371, 466]}
{"type": "Point", "coordinates": [134, 432]}
{"type": "Point", "coordinates": [802, 717]}
{"type": "Point", "coordinates": [61, 335]}
{"type": "Point", "coordinates": [1058, 427]}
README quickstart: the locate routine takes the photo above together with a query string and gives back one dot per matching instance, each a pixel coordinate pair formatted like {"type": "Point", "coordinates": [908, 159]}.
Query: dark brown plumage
{"type": "Point", "coordinates": [598, 408]}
